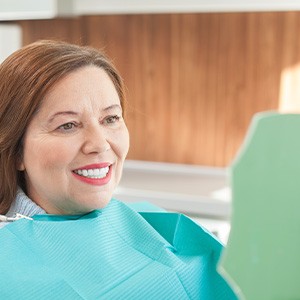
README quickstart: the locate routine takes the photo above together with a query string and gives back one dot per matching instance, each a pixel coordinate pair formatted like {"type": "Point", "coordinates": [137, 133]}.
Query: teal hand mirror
{"type": "Point", "coordinates": [262, 258]}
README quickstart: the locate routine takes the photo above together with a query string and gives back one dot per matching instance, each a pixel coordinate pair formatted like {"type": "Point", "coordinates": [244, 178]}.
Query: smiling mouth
{"type": "Point", "coordinates": [96, 173]}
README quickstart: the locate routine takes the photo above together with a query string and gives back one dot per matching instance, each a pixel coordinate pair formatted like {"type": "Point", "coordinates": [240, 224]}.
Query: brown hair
{"type": "Point", "coordinates": [25, 78]}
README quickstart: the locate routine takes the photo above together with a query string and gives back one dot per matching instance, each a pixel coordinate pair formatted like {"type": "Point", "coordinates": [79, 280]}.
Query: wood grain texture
{"type": "Point", "coordinates": [65, 29]}
{"type": "Point", "coordinates": [193, 81]}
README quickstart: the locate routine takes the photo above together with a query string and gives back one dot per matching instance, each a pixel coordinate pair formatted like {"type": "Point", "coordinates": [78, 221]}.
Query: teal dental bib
{"type": "Point", "coordinates": [113, 253]}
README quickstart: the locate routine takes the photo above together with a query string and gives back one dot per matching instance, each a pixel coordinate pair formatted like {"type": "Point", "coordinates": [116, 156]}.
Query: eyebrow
{"type": "Point", "coordinates": [112, 107]}
{"type": "Point", "coordinates": [73, 113]}
{"type": "Point", "coordinates": [62, 113]}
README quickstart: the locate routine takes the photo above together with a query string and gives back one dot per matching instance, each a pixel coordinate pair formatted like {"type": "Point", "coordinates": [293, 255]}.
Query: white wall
{"type": "Point", "coordinates": [10, 40]}
{"type": "Point", "coordinates": [173, 6]}
{"type": "Point", "coordinates": [45, 9]}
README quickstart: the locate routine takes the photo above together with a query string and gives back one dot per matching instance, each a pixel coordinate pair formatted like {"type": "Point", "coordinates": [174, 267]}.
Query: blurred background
{"type": "Point", "coordinates": [195, 71]}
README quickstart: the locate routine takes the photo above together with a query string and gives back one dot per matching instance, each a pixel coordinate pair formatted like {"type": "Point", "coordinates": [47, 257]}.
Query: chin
{"type": "Point", "coordinates": [98, 204]}
{"type": "Point", "coordinates": [89, 203]}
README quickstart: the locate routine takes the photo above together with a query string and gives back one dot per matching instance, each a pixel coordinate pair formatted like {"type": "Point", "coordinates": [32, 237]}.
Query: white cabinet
{"type": "Point", "coordinates": [194, 190]}
{"type": "Point", "coordinates": [34, 9]}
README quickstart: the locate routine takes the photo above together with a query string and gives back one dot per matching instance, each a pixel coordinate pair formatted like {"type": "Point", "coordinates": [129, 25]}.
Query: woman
{"type": "Point", "coordinates": [63, 142]}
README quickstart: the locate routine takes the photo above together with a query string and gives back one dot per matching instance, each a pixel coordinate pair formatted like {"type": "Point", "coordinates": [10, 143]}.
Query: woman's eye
{"type": "Point", "coordinates": [112, 119]}
{"type": "Point", "coordinates": [67, 127]}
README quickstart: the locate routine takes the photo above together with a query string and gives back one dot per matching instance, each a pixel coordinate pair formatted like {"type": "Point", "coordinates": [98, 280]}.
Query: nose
{"type": "Point", "coordinates": [95, 140]}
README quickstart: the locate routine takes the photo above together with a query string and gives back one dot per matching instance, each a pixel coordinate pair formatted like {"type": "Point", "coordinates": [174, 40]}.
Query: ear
{"type": "Point", "coordinates": [20, 165]}
{"type": "Point", "coordinates": [21, 168]}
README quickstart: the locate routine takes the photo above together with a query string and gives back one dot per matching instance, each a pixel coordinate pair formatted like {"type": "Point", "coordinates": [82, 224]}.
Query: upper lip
{"type": "Point", "coordinates": [94, 166]}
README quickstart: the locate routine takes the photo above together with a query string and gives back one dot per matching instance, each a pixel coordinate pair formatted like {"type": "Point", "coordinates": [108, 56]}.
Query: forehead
{"type": "Point", "coordinates": [87, 87]}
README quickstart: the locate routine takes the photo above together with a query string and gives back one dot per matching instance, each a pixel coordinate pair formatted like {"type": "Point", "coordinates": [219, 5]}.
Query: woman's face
{"type": "Point", "coordinates": [76, 144]}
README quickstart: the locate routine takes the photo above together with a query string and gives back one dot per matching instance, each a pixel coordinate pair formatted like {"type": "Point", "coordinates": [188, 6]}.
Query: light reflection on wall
{"type": "Point", "coordinates": [289, 95]}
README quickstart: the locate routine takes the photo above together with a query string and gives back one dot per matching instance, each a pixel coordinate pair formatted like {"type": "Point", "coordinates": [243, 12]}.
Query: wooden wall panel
{"type": "Point", "coordinates": [194, 80]}
{"type": "Point", "coordinates": [68, 29]}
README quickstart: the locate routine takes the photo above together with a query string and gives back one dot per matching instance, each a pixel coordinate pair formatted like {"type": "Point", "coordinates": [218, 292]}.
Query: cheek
{"type": "Point", "coordinates": [47, 156]}
{"type": "Point", "coordinates": [123, 143]}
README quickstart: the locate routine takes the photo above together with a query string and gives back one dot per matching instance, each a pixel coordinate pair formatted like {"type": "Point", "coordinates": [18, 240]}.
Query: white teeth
{"type": "Point", "coordinates": [93, 173]}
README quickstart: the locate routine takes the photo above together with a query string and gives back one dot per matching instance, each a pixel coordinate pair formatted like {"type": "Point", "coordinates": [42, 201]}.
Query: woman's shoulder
{"type": "Point", "coordinates": [22, 206]}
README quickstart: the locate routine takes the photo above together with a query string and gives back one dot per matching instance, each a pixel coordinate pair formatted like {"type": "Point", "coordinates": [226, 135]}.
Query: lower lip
{"type": "Point", "coordinates": [95, 181]}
